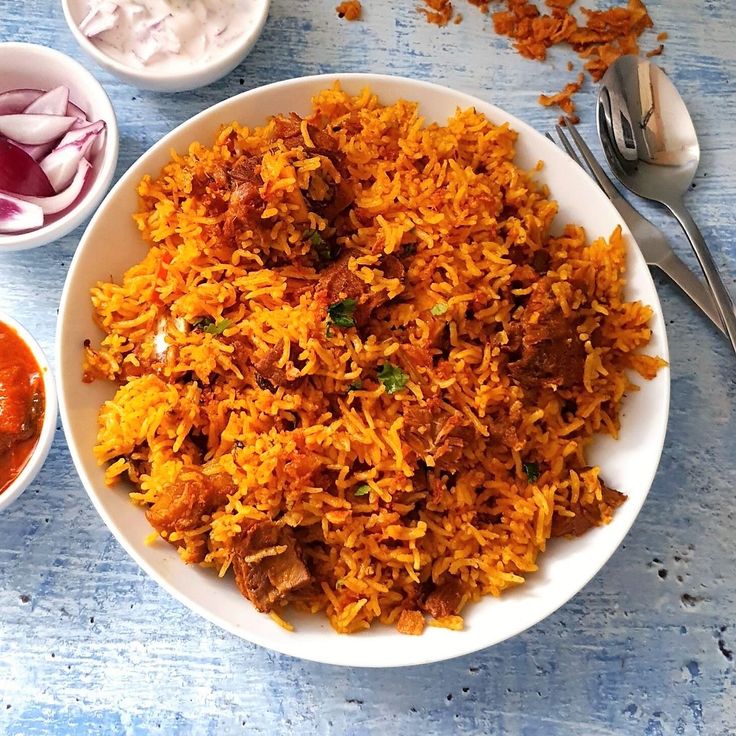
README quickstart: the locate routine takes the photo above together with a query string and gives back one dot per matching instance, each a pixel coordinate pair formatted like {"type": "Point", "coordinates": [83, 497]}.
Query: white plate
{"type": "Point", "coordinates": [111, 244]}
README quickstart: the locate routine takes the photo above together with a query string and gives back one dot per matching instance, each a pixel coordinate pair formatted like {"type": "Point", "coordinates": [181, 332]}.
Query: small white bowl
{"type": "Point", "coordinates": [48, 428]}
{"type": "Point", "coordinates": [193, 74]}
{"type": "Point", "coordinates": [26, 65]}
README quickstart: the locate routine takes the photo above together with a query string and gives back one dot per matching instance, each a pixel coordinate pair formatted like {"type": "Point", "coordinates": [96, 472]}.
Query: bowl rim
{"type": "Point", "coordinates": [180, 81]}
{"type": "Point", "coordinates": [463, 646]}
{"type": "Point", "coordinates": [48, 429]}
{"type": "Point", "coordinates": [104, 171]}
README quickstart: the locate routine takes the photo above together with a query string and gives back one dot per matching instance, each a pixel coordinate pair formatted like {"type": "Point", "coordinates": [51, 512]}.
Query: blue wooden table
{"type": "Point", "coordinates": [88, 644]}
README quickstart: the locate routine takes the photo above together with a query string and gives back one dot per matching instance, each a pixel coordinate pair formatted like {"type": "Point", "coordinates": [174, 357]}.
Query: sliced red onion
{"type": "Point", "coordinates": [34, 129]}
{"type": "Point", "coordinates": [20, 174]}
{"type": "Point", "coordinates": [17, 215]}
{"type": "Point", "coordinates": [40, 151]}
{"type": "Point", "coordinates": [36, 152]}
{"type": "Point", "coordinates": [61, 164]}
{"type": "Point", "coordinates": [17, 100]}
{"type": "Point", "coordinates": [102, 18]}
{"type": "Point", "coordinates": [74, 111]}
{"type": "Point", "coordinates": [53, 102]}
{"type": "Point", "coordinates": [65, 198]}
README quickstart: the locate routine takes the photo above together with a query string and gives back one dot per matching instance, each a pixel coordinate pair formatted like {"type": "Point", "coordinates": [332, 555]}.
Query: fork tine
{"type": "Point", "coordinates": [568, 147]}
{"type": "Point", "coordinates": [593, 166]}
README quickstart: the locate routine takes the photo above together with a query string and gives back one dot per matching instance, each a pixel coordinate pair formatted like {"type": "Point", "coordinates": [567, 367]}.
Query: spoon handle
{"type": "Point", "coordinates": [720, 294]}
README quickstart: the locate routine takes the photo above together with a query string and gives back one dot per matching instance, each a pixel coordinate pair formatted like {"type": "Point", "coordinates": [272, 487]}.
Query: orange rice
{"type": "Point", "coordinates": [373, 537]}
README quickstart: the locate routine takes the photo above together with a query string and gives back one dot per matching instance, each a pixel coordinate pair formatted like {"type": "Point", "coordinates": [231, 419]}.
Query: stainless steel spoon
{"type": "Point", "coordinates": [651, 146]}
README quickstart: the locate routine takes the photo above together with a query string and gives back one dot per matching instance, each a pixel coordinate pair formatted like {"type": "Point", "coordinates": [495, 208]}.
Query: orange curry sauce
{"type": "Point", "coordinates": [21, 404]}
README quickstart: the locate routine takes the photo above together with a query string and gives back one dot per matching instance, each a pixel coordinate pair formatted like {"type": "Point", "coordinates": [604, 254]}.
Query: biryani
{"type": "Point", "coordinates": [355, 371]}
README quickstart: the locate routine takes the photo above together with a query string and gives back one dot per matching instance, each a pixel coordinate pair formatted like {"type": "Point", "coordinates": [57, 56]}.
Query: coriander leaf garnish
{"type": "Point", "coordinates": [439, 309]}
{"type": "Point", "coordinates": [323, 250]}
{"type": "Point", "coordinates": [202, 323]}
{"type": "Point", "coordinates": [314, 237]}
{"type": "Point", "coordinates": [217, 328]}
{"type": "Point", "coordinates": [362, 490]}
{"type": "Point", "coordinates": [340, 314]}
{"type": "Point", "coordinates": [392, 378]}
{"type": "Point", "coordinates": [532, 471]}
{"type": "Point", "coordinates": [355, 386]}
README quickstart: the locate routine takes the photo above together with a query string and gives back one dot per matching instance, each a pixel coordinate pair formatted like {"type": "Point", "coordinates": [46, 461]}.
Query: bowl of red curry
{"type": "Point", "coordinates": [27, 409]}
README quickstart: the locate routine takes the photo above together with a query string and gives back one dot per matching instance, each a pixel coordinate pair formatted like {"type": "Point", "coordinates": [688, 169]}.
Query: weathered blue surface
{"type": "Point", "coordinates": [89, 645]}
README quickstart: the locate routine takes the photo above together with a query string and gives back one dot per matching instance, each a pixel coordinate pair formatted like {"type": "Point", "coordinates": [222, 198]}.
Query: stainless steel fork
{"type": "Point", "coordinates": [650, 239]}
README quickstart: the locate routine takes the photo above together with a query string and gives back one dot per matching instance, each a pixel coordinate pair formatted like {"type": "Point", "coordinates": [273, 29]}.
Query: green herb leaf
{"type": "Point", "coordinates": [217, 328]}
{"type": "Point", "coordinates": [532, 471]}
{"type": "Point", "coordinates": [328, 332]}
{"type": "Point", "coordinates": [323, 250]}
{"type": "Point", "coordinates": [313, 236]}
{"type": "Point", "coordinates": [363, 490]}
{"type": "Point", "coordinates": [355, 386]}
{"type": "Point", "coordinates": [392, 378]}
{"type": "Point", "coordinates": [202, 324]}
{"type": "Point", "coordinates": [340, 314]}
{"type": "Point", "coordinates": [439, 309]}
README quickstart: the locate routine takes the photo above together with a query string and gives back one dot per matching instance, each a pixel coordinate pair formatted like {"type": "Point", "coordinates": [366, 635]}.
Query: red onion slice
{"type": "Point", "coordinates": [17, 215]}
{"type": "Point", "coordinates": [20, 174]}
{"type": "Point", "coordinates": [34, 129]}
{"type": "Point", "coordinates": [36, 152]}
{"type": "Point", "coordinates": [17, 100]}
{"type": "Point", "coordinates": [41, 151]}
{"type": "Point", "coordinates": [64, 199]}
{"type": "Point", "coordinates": [53, 102]}
{"type": "Point", "coordinates": [61, 164]}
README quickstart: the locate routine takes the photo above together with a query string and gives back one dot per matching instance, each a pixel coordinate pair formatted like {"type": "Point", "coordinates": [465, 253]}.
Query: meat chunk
{"type": "Point", "coordinates": [247, 169]}
{"type": "Point", "coordinates": [245, 205]}
{"type": "Point", "coordinates": [244, 210]}
{"type": "Point", "coordinates": [426, 480]}
{"type": "Point", "coordinates": [338, 282]}
{"type": "Point", "coordinates": [181, 505]}
{"type": "Point", "coordinates": [341, 196]}
{"type": "Point", "coordinates": [410, 622]}
{"type": "Point", "coordinates": [392, 267]}
{"type": "Point", "coordinates": [242, 350]}
{"type": "Point", "coordinates": [269, 370]}
{"type": "Point", "coordinates": [268, 564]}
{"type": "Point", "coordinates": [431, 431]}
{"type": "Point", "coordinates": [450, 435]}
{"type": "Point", "coordinates": [417, 418]}
{"type": "Point", "coordinates": [18, 407]}
{"type": "Point", "coordinates": [288, 130]}
{"type": "Point", "coordinates": [586, 517]}
{"type": "Point", "coordinates": [444, 599]}
{"type": "Point", "coordinates": [327, 198]}
{"type": "Point", "coordinates": [541, 260]}
{"type": "Point", "coordinates": [552, 355]}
